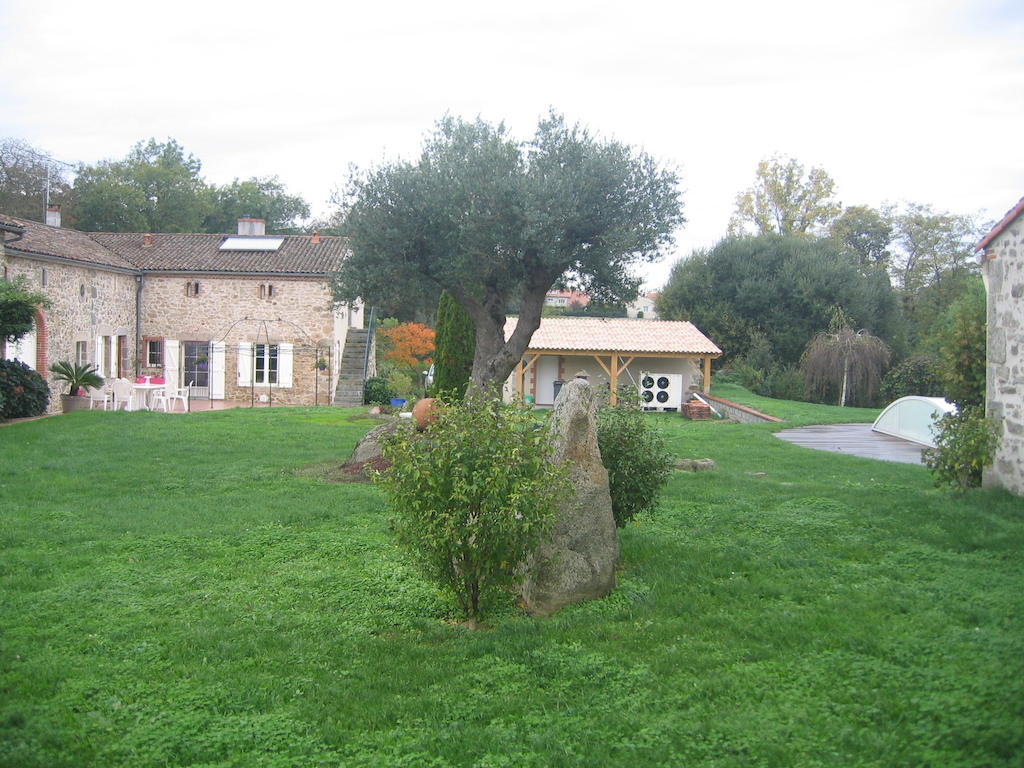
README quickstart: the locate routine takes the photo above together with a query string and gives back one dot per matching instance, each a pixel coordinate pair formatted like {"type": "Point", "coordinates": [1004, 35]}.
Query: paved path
{"type": "Point", "coordinates": [856, 440]}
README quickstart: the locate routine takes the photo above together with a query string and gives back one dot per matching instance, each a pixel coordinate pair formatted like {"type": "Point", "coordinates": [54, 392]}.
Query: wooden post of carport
{"type": "Point", "coordinates": [707, 375]}
{"type": "Point", "coordinates": [521, 369]}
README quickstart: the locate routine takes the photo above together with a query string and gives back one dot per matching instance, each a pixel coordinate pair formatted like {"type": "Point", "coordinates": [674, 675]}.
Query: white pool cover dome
{"type": "Point", "coordinates": [912, 418]}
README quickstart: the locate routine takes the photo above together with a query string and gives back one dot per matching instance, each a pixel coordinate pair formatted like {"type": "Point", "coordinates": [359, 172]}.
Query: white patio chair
{"type": "Point", "coordinates": [171, 394]}
{"type": "Point", "coordinates": [158, 399]}
{"type": "Point", "coordinates": [99, 395]}
{"type": "Point", "coordinates": [122, 394]}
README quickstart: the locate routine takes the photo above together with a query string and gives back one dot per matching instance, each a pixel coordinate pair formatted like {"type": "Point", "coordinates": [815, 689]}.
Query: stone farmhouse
{"type": "Point", "coordinates": [1001, 255]}
{"type": "Point", "coordinates": [243, 317]}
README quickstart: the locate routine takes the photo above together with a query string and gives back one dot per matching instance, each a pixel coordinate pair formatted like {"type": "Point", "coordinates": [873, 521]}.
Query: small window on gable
{"type": "Point", "coordinates": [81, 290]}
{"type": "Point", "coordinates": [192, 288]}
{"type": "Point", "coordinates": [266, 291]}
{"type": "Point", "coordinates": [42, 277]}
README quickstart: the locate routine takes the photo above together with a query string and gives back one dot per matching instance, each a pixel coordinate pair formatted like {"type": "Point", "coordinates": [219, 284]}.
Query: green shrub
{"type": "Point", "coordinates": [472, 496]}
{"type": "Point", "coordinates": [962, 350]}
{"type": "Point", "coordinates": [377, 391]}
{"type": "Point", "coordinates": [636, 457]}
{"type": "Point", "coordinates": [917, 375]}
{"type": "Point", "coordinates": [23, 391]}
{"type": "Point", "coordinates": [785, 382]}
{"type": "Point", "coordinates": [965, 443]}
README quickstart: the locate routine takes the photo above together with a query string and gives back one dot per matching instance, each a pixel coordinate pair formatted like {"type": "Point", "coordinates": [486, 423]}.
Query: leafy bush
{"type": "Point", "coordinates": [472, 496]}
{"type": "Point", "coordinates": [638, 462]}
{"type": "Point", "coordinates": [917, 375]}
{"type": "Point", "coordinates": [962, 352]}
{"type": "Point", "coordinates": [785, 382]}
{"type": "Point", "coordinates": [377, 391]}
{"type": "Point", "coordinates": [23, 391]}
{"type": "Point", "coordinates": [965, 443]}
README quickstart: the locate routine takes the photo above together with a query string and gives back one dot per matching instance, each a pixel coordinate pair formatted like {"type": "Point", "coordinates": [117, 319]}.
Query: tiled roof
{"type": "Point", "coordinates": [617, 334]}
{"type": "Point", "coordinates": [298, 254]}
{"type": "Point", "coordinates": [1007, 220]}
{"type": "Point", "coordinates": [62, 243]}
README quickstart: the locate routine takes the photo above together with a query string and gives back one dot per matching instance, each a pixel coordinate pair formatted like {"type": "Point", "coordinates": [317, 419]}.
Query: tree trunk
{"type": "Point", "coordinates": [496, 357]}
{"type": "Point", "coordinates": [846, 378]}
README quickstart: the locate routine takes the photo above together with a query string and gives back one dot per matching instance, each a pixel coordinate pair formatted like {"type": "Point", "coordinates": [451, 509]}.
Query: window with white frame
{"type": "Point", "coordinates": [265, 363]}
{"type": "Point", "coordinates": [155, 353]}
{"type": "Point", "coordinates": [81, 352]}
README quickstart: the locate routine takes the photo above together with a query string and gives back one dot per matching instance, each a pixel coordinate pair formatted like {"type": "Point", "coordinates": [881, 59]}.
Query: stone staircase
{"type": "Point", "coordinates": [349, 392]}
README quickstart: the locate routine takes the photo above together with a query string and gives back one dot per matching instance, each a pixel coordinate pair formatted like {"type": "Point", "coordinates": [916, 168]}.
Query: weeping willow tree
{"type": "Point", "coordinates": [844, 360]}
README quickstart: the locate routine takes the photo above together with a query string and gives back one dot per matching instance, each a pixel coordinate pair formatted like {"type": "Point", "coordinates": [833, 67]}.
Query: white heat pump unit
{"type": "Point", "coordinates": [661, 391]}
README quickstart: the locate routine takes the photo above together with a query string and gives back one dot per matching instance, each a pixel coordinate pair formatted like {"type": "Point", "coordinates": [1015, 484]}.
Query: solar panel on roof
{"type": "Point", "coordinates": [251, 243]}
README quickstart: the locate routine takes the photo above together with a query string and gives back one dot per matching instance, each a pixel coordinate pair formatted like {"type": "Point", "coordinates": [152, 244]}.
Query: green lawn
{"type": "Point", "coordinates": [175, 592]}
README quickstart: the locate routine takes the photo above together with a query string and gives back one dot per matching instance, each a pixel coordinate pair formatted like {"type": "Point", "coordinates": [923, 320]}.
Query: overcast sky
{"type": "Point", "coordinates": [899, 100]}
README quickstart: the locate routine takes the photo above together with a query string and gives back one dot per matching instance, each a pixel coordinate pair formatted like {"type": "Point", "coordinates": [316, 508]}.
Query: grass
{"type": "Point", "coordinates": [177, 591]}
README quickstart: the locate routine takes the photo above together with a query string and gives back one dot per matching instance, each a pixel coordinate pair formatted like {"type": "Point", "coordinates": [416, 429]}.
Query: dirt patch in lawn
{"type": "Point", "coordinates": [332, 472]}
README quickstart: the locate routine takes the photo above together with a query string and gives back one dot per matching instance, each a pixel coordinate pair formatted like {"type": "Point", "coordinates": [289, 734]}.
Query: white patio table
{"type": "Point", "coordinates": [140, 396]}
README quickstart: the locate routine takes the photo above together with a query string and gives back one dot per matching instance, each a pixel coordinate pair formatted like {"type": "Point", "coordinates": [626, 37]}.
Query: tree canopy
{"type": "Point", "coordinates": [261, 198]}
{"type": "Point", "coordinates": [783, 287]}
{"type": "Point", "coordinates": [18, 306]}
{"type": "Point", "coordinates": [158, 187]}
{"type": "Point", "coordinates": [25, 173]}
{"type": "Point", "coordinates": [784, 200]}
{"type": "Point", "coordinates": [493, 220]}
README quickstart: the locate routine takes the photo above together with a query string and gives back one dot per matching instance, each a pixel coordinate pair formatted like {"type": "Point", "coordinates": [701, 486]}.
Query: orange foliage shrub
{"type": "Point", "coordinates": [412, 344]}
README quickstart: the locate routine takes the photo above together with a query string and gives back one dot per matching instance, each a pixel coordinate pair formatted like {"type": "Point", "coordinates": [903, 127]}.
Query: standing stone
{"type": "Point", "coordinates": [577, 561]}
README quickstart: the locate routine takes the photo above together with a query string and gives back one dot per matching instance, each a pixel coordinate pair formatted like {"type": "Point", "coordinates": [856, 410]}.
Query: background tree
{"type": "Point", "coordinates": [411, 345]}
{"type": "Point", "coordinates": [262, 198]}
{"type": "Point", "coordinates": [866, 233]}
{"type": "Point", "coordinates": [846, 361]}
{"type": "Point", "coordinates": [156, 188]}
{"type": "Point", "coordinates": [455, 344]}
{"type": "Point", "coordinates": [25, 173]}
{"type": "Point", "coordinates": [932, 245]}
{"type": "Point", "coordinates": [781, 287]}
{"type": "Point", "coordinates": [785, 200]}
{"type": "Point", "coordinates": [492, 221]}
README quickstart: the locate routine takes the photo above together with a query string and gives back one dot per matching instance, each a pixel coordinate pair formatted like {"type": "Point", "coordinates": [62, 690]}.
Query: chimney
{"type": "Point", "coordinates": [147, 240]}
{"type": "Point", "coordinates": [53, 215]}
{"type": "Point", "coordinates": [315, 239]}
{"type": "Point", "coordinates": [247, 226]}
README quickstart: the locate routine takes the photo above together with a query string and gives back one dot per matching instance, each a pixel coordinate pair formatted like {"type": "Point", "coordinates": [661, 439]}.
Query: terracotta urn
{"type": "Point", "coordinates": [424, 413]}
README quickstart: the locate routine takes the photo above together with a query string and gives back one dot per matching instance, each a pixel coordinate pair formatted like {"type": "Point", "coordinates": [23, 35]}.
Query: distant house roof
{"type": "Point", "coordinates": [1012, 214]}
{"type": "Point", "coordinates": [617, 334]}
{"type": "Point", "coordinates": [297, 255]}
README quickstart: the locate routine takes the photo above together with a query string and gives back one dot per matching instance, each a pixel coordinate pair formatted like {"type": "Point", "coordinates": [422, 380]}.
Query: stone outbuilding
{"type": "Point", "coordinates": [1001, 255]}
{"type": "Point", "coordinates": [243, 317]}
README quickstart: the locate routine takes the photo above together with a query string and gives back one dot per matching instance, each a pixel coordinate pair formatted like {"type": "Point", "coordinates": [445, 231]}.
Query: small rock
{"type": "Point", "coordinates": [695, 465]}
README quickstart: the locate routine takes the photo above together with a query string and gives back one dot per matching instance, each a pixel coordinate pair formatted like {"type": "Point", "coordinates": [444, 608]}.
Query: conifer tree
{"type": "Point", "coordinates": [455, 346]}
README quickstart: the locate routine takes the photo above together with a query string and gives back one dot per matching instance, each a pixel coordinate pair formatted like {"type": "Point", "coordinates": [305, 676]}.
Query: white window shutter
{"type": "Point", "coordinates": [284, 365]}
{"type": "Point", "coordinates": [172, 358]}
{"type": "Point", "coordinates": [97, 356]}
{"type": "Point", "coordinates": [244, 364]}
{"type": "Point", "coordinates": [112, 362]}
{"type": "Point", "coordinates": [217, 370]}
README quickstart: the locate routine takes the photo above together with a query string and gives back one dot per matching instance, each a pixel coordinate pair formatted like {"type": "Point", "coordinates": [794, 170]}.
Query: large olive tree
{"type": "Point", "coordinates": [494, 221]}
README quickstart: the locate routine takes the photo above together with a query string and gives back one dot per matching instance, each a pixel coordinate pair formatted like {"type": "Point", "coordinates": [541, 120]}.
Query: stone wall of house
{"type": "Point", "coordinates": [85, 302]}
{"type": "Point", "coordinates": [258, 310]}
{"type": "Point", "coordinates": [1004, 279]}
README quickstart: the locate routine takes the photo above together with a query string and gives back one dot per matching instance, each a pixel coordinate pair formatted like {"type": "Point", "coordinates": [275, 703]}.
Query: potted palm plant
{"type": "Point", "coordinates": [78, 377]}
